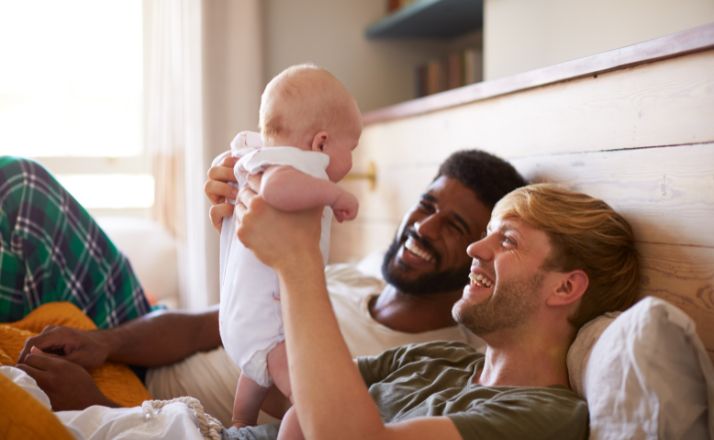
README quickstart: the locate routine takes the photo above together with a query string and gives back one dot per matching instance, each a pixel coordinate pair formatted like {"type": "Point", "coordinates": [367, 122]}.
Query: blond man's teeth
{"type": "Point", "coordinates": [414, 248]}
{"type": "Point", "coordinates": [479, 280]}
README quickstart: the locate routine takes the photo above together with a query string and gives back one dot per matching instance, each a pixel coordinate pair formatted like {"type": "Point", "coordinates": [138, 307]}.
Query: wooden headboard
{"type": "Point", "coordinates": [633, 126]}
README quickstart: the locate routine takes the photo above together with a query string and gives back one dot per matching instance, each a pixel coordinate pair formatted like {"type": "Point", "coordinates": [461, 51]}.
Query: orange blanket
{"type": "Point", "coordinates": [116, 381]}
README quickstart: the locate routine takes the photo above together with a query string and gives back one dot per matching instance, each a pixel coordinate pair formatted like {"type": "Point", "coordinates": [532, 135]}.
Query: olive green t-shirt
{"type": "Point", "coordinates": [436, 379]}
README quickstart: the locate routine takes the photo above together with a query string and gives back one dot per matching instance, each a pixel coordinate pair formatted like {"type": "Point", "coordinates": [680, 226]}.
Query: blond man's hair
{"type": "Point", "coordinates": [303, 100]}
{"type": "Point", "coordinates": [585, 233]}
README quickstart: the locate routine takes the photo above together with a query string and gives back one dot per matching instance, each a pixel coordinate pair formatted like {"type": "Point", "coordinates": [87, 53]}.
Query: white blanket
{"type": "Point", "coordinates": [174, 420]}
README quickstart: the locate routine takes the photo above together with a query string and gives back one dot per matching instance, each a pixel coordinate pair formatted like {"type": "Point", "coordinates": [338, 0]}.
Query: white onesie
{"type": "Point", "coordinates": [250, 321]}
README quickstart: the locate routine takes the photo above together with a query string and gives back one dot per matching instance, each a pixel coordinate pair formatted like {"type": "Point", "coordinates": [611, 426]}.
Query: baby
{"type": "Point", "coordinates": [309, 126]}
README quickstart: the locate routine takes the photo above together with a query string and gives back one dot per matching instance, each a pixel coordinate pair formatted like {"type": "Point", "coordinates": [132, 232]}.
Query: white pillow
{"type": "Point", "coordinates": [647, 376]}
{"type": "Point", "coordinates": [581, 348]}
{"type": "Point", "coordinates": [152, 252]}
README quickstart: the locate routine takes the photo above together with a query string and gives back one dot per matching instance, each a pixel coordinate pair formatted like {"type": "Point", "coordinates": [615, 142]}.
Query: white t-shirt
{"type": "Point", "coordinates": [351, 291]}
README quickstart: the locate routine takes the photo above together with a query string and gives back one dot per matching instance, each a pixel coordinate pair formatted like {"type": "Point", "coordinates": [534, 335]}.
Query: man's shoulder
{"type": "Point", "coordinates": [436, 352]}
{"type": "Point", "coordinates": [523, 412]}
{"type": "Point", "coordinates": [450, 350]}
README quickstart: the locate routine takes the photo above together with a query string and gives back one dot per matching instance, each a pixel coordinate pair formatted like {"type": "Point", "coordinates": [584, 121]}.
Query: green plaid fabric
{"type": "Point", "coordinates": [52, 250]}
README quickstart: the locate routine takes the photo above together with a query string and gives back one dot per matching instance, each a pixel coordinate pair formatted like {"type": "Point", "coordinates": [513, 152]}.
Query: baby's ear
{"type": "Point", "coordinates": [319, 141]}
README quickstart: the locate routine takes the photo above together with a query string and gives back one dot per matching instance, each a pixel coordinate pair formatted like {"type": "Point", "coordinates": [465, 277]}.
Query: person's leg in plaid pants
{"type": "Point", "coordinates": [52, 250]}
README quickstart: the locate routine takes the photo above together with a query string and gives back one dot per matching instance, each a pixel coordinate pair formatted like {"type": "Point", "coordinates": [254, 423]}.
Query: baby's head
{"type": "Point", "coordinates": [305, 106]}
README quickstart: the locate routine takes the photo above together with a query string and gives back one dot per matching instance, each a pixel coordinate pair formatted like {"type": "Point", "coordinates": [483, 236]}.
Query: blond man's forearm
{"type": "Point", "coordinates": [323, 375]}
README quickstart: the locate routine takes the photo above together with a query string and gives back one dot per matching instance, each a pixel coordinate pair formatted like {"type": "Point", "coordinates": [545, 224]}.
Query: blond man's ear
{"type": "Point", "coordinates": [571, 287]}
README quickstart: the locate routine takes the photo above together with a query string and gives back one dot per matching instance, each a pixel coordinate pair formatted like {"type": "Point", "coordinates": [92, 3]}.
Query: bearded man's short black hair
{"type": "Point", "coordinates": [488, 176]}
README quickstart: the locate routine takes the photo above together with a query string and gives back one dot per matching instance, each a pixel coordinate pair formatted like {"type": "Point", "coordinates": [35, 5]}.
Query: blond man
{"type": "Point", "coordinates": [551, 260]}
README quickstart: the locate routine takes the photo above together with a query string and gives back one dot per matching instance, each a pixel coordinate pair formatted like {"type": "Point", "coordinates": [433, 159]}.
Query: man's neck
{"type": "Point", "coordinates": [413, 313]}
{"type": "Point", "coordinates": [532, 360]}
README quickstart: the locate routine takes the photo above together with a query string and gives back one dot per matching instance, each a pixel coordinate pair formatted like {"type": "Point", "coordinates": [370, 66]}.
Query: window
{"type": "Point", "coordinates": [71, 95]}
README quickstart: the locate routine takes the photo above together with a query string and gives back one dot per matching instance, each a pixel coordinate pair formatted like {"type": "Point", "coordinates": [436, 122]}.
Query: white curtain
{"type": "Point", "coordinates": [174, 134]}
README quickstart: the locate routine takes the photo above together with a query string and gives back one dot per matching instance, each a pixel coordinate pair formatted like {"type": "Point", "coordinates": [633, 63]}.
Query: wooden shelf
{"type": "Point", "coordinates": [430, 19]}
{"type": "Point", "coordinates": [688, 41]}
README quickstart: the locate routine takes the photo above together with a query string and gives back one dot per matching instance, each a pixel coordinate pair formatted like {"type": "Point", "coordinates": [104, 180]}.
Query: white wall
{"type": "Point", "coordinates": [521, 35]}
{"type": "Point", "coordinates": [233, 74]}
{"type": "Point", "coordinates": [233, 78]}
{"type": "Point", "coordinates": [331, 34]}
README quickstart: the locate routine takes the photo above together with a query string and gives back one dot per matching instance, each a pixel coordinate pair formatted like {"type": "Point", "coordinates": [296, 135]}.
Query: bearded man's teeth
{"type": "Point", "coordinates": [414, 248]}
{"type": "Point", "coordinates": [480, 280]}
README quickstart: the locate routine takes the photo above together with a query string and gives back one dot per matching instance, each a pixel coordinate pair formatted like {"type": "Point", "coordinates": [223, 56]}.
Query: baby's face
{"type": "Point", "coordinates": [340, 151]}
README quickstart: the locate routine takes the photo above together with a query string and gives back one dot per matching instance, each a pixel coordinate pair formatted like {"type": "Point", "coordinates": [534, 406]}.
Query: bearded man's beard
{"type": "Point", "coordinates": [427, 283]}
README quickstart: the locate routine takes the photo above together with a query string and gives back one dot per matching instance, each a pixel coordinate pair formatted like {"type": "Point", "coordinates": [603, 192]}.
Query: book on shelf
{"type": "Point", "coordinates": [395, 5]}
{"type": "Point", "coordinates": [420, 80]}
{"type": "Point", "coordinates": [435, 77]}
{"type": "Point", "coordinates": [472, 65]}
{"type": "Point", "coordinates": [454, 70]}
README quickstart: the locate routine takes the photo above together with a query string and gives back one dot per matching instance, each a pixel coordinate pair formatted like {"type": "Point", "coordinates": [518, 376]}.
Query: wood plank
{"type": "Point", "coordinates": [666, 103]}
{"type": "Point", "coordinates": [359, 238]}
{"type": "Point", "coordinates": [396, 191]}
{"type": "Point", "coordinates": [696, 39]}
{"type": "Point", "coordinates": [667, 194]}
{"type": "Point", "coordinates": [684, 276]}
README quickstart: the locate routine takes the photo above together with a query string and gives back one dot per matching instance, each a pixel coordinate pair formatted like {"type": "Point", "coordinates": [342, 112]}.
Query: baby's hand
{"type": "Point", "coordinates": [345, 207]}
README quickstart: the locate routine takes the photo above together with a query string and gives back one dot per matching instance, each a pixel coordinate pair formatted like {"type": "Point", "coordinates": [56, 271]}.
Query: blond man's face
{"type": "Point", "coordinates": [507, 280]}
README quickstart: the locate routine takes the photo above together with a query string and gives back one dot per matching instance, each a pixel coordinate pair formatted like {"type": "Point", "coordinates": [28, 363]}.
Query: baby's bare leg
{"type": "Point", "coordinates": [278, 369]}
{"type": "Point", "coordinates": [290, 427]}
{"type": "Point", "coordinates": [248, 400]}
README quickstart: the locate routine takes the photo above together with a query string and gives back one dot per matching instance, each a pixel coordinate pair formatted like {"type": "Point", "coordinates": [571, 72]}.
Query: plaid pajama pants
{"type": "Point", "coordinates": [52, 250]}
